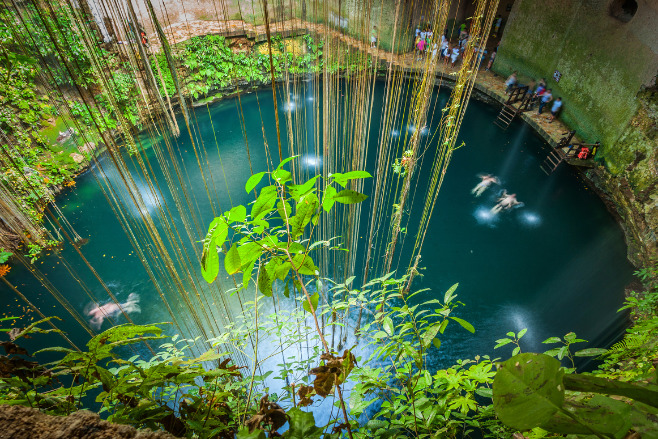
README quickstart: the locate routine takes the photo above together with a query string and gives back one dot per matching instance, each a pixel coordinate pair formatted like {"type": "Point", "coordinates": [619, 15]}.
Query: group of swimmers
{"type": "Point", "coordinates": [504, 202]}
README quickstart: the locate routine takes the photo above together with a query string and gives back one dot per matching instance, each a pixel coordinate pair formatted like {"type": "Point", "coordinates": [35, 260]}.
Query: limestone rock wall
{"type": "Point", "coordinates": [609, 69]}
{"type": "Point", "coordinates": [351, 18]}
{"type": "Point", "coordinates": [604, 62]}
{"type": "Point", "coordinates": [26, 423]}
{"type": "Point", "coordinates": [632, 192]}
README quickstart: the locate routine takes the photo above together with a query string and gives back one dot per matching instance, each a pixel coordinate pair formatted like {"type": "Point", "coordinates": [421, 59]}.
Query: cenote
{"type": "Point", "coordinates": [554, 264]}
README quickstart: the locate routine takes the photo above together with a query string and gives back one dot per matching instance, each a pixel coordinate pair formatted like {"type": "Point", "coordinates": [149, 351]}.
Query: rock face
{"type": "Point", "coordinates": [607, 64]}
{"type": "Point", "coordinates": [78, 158]}
{"type": "Point", "coordinates": [630, 184]}
{"type": "Point", "coordinates": [26, 423]}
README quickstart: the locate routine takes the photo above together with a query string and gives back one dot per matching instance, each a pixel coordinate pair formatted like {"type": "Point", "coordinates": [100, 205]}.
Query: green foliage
{"type": "Point", "coordinates": [530, 391]}
{"type": "Point", "coordinates": [512, 338]}
{"type": "Point", "coordinates": [275, 251]}
{"type": "Point", "coordinates": [170, 391]}
{"type": "Point", "coordinates": [4, 255]}
{"type": "Point", "coordinates": [30, 43]}
{"type": "Point", "coordinates": [402, 397]}
{"type": "Point", "coordinates": [631, 359]}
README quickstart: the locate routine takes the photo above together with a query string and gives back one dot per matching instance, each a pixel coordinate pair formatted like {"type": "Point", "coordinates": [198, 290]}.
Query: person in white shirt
{"type": "Point", "coordinates": [455, 55]}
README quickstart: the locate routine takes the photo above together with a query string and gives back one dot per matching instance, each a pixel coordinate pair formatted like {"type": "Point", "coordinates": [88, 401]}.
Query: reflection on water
{"type": "Point", "coordinates": [311, 161]}
{"type": "Point", "coordinates": [484, 216]}
{"type": "Point", "coordinates": [530, 219]}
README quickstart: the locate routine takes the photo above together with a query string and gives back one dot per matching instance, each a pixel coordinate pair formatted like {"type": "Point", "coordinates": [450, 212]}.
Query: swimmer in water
{"type": "Point", "coordinates": [506, 201]}
{"type": "Point", "coordinates": [100, 312]}
{"type": "Point", "coordinates": [487, 180]}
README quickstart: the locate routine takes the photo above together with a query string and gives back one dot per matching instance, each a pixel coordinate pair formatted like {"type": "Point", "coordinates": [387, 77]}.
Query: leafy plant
{"type": "Point", "coordinates": [4, 255]}
{"type": "Point", "coordinates": [513, 338]}
{"type": "Point", "coordinates": [529, 391]}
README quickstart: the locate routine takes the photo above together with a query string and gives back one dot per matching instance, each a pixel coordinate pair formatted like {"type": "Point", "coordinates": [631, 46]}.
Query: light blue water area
{"type": "Point", "coordinates": [556, 263]}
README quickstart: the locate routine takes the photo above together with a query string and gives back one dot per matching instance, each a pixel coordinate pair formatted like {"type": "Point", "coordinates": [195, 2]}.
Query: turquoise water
{"type": "Point", "coordinates": [556, 263]}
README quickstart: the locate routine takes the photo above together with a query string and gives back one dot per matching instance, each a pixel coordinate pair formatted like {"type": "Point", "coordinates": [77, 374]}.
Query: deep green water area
{"type": "Point", "coordinates": [556, 263]}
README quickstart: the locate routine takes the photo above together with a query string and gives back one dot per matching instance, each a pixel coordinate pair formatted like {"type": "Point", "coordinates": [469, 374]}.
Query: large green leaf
{"type": "Point", "coordinates": [348, 196]}
{"type": "Point", "coordinates": [210, 265]}
{"type": "Point", "coordinates": [124, 334]}
{"type": "Point", "coordinates": [302, 425]}
{"type": "Point", "coordinates": [528, 390]}
{"type": "Point", "coordinates": [232, 261]}
{"type": "Point", "coordinates": [464, 324]}
{"type": "Point", "coordinates": [286, 161]}
{"type": "Point", "coordinates": [266, 276]}
{"type": "Point", "coordinates": [281, 176]}
{"type": "Point", "coordinates": [328, 198]}
{"type": "Point", "coordinates": [305, 210]}
{"type": "Point", "coordinates": [253, 181]}
{"type": "Point", "coordinates": [297, 191]}
{"type": "Point", "coordinates": [239, 258]}
{"type": "Point", "coordinates": [284, 213]}
{"type": "Point", "coordinates": [430, 334]}
{"type": "Point", "coordinates": [449, 295]}
{"type": "Point", "coordinates": [264, 202]}
{"type": "Point", "coordinates": [236, 215]}
{"type": "Point", "coordinates": [590, 352]}
{"type": "Point", "coordinates": [315, 299]}
{"type": "Point", "coordinates": [342, 179]}
{"type": "Point", "coordinates": [304, 264]}
{"type": "Point", "coordinates": [217, 233]}
{"type": "Point", "coordinates": [599, 414]}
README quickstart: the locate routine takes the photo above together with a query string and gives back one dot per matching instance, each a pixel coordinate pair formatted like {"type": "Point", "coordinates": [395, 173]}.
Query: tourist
{"type": "Point", "coordinates": [99, 313]}
{"type": "Point", "coordinates": [487, 180]}
{"type": "Point", "coordinates": [497, 22]}
{"type": "Point", "coordinates": [463, 41]}
{"type": "Point", "coordinates": [446, 53]}
{"type": "Point", "coordinates": [541, 87]}
{"type": "Point", "coordinates": [546, 97]}
{"type": "Point", "coordinates": [531, 87]}
{"type": "Point", "coordinates": [510, 82]}
{"type": "Point", "coordinates": [455, 55]}
{"type": "Point", "coordinates": [435, 50]}
{"type": "Point", "coordinates": [555, 109]}
{"type": "Point", "coordinates": [420, 45]}
{"type": "Point", "coordinates": [444, 45]}
{"type": "Point", "coordinates": [491, 60]}
{"type": "Point", "coordinates": [482, 53]}
{"type": "Point", "coordinates": [373, 37]}
{"type": "Point", "coordinates": [423, 34]}
{"type": "Point", "coordinates": [506, 201]}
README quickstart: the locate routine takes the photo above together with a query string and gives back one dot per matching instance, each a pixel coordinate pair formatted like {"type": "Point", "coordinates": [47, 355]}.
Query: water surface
{"type": "Point", "coordinates": [553, 265]}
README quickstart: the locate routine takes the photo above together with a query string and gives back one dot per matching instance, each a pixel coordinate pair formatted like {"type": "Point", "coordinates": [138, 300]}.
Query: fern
{"type": "Point", "coordinates": [630, 342]}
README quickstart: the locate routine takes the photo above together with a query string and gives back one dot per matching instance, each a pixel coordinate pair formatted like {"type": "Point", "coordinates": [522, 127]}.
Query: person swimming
{"type": "Point", "coordinates": [487, 180]}
{"type": "Point", "coordinates": [506, 201]}
{"type": "Point", "coordinates": [101, 312]}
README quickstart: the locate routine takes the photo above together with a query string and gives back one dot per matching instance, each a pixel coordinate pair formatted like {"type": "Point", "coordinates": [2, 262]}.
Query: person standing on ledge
{"type": "Point", "coordinates": [545, 99]}
{"type": "Point", "coordinates": [511, 82]}
{"type": "Point", "coordinates": [492, 58]}
{"type": "Point", "coordinates": [497, 23]}
{"type": "Point", "coordinates": [373, 37]}
{"type": "Point", "coordinates": [555, 109]}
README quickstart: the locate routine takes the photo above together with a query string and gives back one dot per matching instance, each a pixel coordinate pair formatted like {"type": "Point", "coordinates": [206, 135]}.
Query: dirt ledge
{"type": "Point", "coordinates": [20, 422]}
